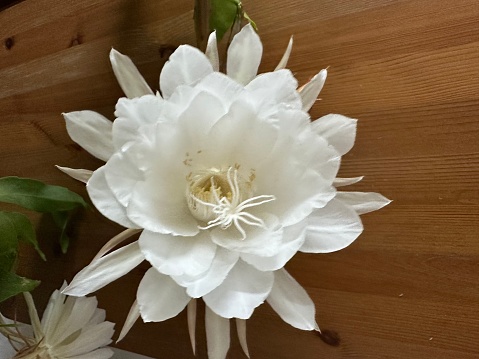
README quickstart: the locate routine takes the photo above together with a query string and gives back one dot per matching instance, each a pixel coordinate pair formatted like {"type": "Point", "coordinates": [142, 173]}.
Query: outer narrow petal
{"type": "Point", "coordinates": [340, 182]}
{"type": "Point", "coordinates": [212, 51]}
{"type": "Point", "coordinates": [186, 66]}
{"type": "Point", "coordinates": [284, 60]}
{"type": "Point", "coordinates": [105, 270]}
{"type": "Point", "coordinates": [242, 291]}
{"type": "Point", "coordinates": [132, 317]}
{"type": "Point", "coordinates": [92, 131]}
{"type": "Point", "coordinates": [244, 55]}
{"type": "Point", "coordinates": [241, 330]}
{"type": "Point", "coordinates": [177, 256]}
{"type": "Point", "coordinates": [217, 335]}
{"type": "Point", "coordinates": [291, 302]}
{"type": "Point", "coordinates": [191, 317]}
{"type": "Point", "coordinates": [128, 76]}
{"type": "Point", "coordinates": [78, 174]}
{"type": "Point", "coordinates": [105, 201]}
{"type": "Point", "coordinates": [310, 91]}
{"type": "Point", "coordinates": [159, 297]}
{"type": "Point", "coordinates": [331, 228]}
{"type": "Point", "coordinates": [339, 130]}
{"type": "Point", "coordinates": [363, 202]}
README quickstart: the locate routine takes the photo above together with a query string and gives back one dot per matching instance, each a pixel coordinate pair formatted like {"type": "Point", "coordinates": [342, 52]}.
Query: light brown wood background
{"type": "Point", "coordinates": [408, 70]}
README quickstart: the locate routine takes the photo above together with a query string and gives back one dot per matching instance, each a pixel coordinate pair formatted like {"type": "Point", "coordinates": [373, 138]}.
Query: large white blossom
{"type": "Point", "coordinates": [227, 178]}
{"type": "Point", "coordinates": [71, 328]}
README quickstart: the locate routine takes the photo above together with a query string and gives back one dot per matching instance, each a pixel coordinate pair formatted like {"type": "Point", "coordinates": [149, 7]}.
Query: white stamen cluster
{"type": "Point", "coordinates": [226, 208]}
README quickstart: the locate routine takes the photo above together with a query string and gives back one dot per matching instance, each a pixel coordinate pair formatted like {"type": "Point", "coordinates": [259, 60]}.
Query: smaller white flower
{"type": "Point", "coordinates": [71, 327]}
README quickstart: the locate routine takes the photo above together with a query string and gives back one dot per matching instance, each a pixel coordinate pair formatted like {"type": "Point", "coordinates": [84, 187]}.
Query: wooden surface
{"type": "Point", "coordinates": [408, 70]}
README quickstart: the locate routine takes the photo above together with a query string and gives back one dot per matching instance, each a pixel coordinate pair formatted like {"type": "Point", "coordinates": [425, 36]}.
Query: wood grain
{"type": "Point", "coordinates": [407, 69]}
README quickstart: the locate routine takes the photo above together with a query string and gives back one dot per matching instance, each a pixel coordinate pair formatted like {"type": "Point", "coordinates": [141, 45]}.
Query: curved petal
{"type": "Point", "coordinates": [241, 331]}
{"type": "Point", "coordinates": [340, 182]}
{"type": "Point", "coordinates": [222, 264]}
{"type": "Point", "coordinates": [155, 209]}
{"type": "Point", "coordinates": [331, 228]}
{"type": "Point", "coordinates": [217, 335]}
{"type": "Point", "coordinates": [178, 256]}
{"type": "Point", "coordinates": [363, 202]}
{"type": "Point", "coordinates": [242, 291]}
{"type": "Point", "coordinates": [92, 131]}
{"type": "Point", "coordinates": [128, 76]}
{"type": "Point", "coordinates": [132, 114]}
{"type": "Point", "coordinates": [258, 241]}
{"type": "Point", "coordinates": [102, 353]}
{"type": "Point", "coordinates": [105, 270]}
{"type": "Point", "coordinates": [159, 297]}
{"type": "Point", "coordinates": [244, 55]}
{"type": "Point", "coordinates": [293, 239]}
{"type": "Point", "coordinates": [105, 201]}
{"type": "Point", "coordinates": [291, 302]}
{"type": "Point", "coordinates": [284, 60]}
{"type": "Point", "coordinates": [132, 317]}
{"type": "Point", "coordinates": [78, 174]}
{"type": "Point", "coordinates": [310, 92]}
{"type": "Point", "coordinates": [221, 86]}
{"type": "Point", "coordinates": [339, 130]}
{"type": "Point", "coordinates": [212, 51]}
{"type": "Point", "coordinates": [276, 87]}
{"type": "Point", "coordinates": [186, 66]}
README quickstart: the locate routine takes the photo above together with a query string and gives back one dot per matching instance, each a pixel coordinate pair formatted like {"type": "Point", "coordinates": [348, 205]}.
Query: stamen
{"type": "Point", "coordinates": [232, 211]}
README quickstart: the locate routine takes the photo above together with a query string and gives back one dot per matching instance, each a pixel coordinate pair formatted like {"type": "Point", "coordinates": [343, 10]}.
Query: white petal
{"type": "Point", "coordinates": [92, 131]}
{"type": "Point", "coordinates": [105, 270]}
{"type": "Point", "coordinates": [331, 228]}
{"type": "Point", "coordinates": [78, 174]}
{"type": "Point", "coordinates": [105, 201]}
{"type": "Point", "coordinates": [363, 202]}
{"type": "Point", "coordinates": [89, 340]}
{"type": "Point", "coordinates": [241, 330]}
{"type": "Point", "coordinates": [159, 297]}
{"type": "Point", "coordinates": [33, 314]}
{"type": "Point", "coordinates": [244, 55]}
{"type": "Point", "coordinates": [191, 317]}
{"type": "Point", "coordinates": [128, 76]}
{"type": "Point", "coordinates": [217, 334]}
{"type": "Point", "coordinates": [284, 60]}
{"type": "Point", "coordinates": [293, 239]}
{"type": "Point", "coordinates": [340, 182]}
{"type": "Point", "coordinates": [220, 85]}
{"type": "Point", "coordinates": [277, 87]}
{"type": "Point", "coordinates": [212, 51]}
{"type": "Point", "coordinates": [223, 262]}
{"type": "Point", "coordinates": [159, 209]}
{"type": "Point", "coordinates": [339, 130]}
{"type": "Point", "coordinates": [132, 114]}
{"type": "Point", "coordinates": [291, 302]}
{"type": "Point", "coordinates": [186, 66]}
{"type": "Point", "coordinates": [178, 256]}
{"type": "Point", "coordinates": [242, 291]}
{"type": "Point", "coordinates": [309, 92]}
{"type": "Point", "coordinates": [258, 241]}
{"type": "Point", "coordinates": [132, 317]}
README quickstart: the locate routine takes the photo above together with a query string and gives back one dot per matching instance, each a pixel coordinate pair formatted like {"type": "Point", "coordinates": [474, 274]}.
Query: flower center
{"type": "Point", "coordinates": [221, 197]}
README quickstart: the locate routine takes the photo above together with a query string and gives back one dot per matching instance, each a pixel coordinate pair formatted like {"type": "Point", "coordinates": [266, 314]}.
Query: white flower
{"type": "Point", "coordinates": [72, 328]}
{"type": "Point", "coordinates": [228, 179]}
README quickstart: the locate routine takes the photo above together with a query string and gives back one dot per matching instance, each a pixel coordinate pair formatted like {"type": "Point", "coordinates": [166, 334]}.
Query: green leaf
{"type": "Point", "coordinates": [14, 227]}
{"type": "Point", "coordinates": [62, 219]}
{"type": "Point", "coordinates": [7, 260]}
{"type": "Point", "coordinates": [38, 196]}
{"type": "Point", "coordinates": [223, 15]}
{"type": "Point", "coordinates": [12, 284]}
